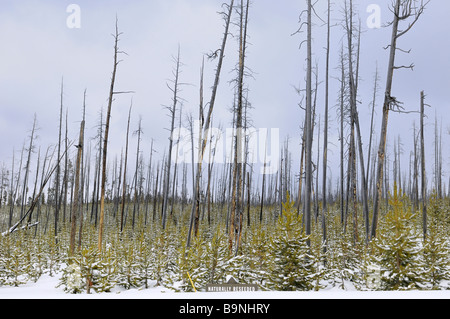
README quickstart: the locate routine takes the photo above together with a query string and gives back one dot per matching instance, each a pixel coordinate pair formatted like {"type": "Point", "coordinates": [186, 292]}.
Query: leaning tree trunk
{"type": "Point", "coordinates": [402, 10]}
{"type": "Point", "coordinates": [208, 120]}
{"type": "Point", "coordinates": [105, 140]}
{"type": "Point", "coordinates": [124, 187]}
{"type": "Point", "coordinates": [353, 86]}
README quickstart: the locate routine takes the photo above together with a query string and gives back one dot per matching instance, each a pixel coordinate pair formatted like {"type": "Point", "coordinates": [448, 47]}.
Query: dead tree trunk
{"type": "Point", "coordinates": [76, 201]}
{"type": "Point", "coordinates": [124, 187]}
{"type": "Point", "coordinates": [423, 172]}
{"type": "Point", "coordinates": [105, 140]}
{"type": "Point", "coordinates": [403, 10]}
{"type": "Point", "coordinates": [237, 205]}
{"type": "Point", "coordinates": [208, 118]}
{"type": "Point", "coordinates": [375, 92]}
{"type": "Point", "coordinates": [308, 125]}
{"type": "Point", "coordinates": [173, 111]}
{"type": "Point", "coordinates": [137, 185]}
{"type": "Point", "coordinates": [263, 187]}
{"type": "Point", "coordinates": [83, 178]}
{"type": "Point", "coordinates": [58, 169]}
{"type": "Point", "coordinates": [341, 102]}
{"type": "Point", "coordinates": [325, 138]}
{"type": "Point", "coordinates": [27, 167]}
{"type": "Point", "coordinates": [415, 173]}
{"type": "Point", "coordinates": [353, 86]}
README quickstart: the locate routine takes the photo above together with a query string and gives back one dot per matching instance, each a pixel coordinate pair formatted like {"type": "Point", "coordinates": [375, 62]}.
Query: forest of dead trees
{"type": "Point", "coordinates": [78, 194]}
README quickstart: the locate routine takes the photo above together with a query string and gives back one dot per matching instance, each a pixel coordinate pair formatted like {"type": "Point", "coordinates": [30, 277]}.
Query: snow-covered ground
{"type": "Point", "coordinates": [45, 288]}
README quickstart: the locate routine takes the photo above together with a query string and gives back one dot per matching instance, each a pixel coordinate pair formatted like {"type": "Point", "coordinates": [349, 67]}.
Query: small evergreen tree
{"type": "Point", "coordinates": [398, 249]}
{"type": "Point", "coordinates": [143, 262]}
{"type": "Point", "coordinates": [126, 267]}
{"type": "Point", "coordinates": [216, 256]}
{"type": "Point", "coordinates": [192, 267]}
{"type": "Point", "coordinates": [292, 265]}
{"type": "Point", "coordinates": [258, 257]}
{"type": "Point", "coordinates": [90, 270]}
{"type": "Point", "coordinates": [344, 261]}
{"type": "Point", "coordinates": [435, 249]}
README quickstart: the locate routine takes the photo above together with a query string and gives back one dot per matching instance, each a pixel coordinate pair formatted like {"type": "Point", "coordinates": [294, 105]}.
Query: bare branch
{"type": "Point", "coordinates": [124, 92]}
{"type": "Point", "coordinates": [405, 67]}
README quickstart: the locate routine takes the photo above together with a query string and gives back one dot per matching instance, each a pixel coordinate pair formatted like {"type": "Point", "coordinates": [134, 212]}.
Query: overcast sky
{"type": "Point", "coordinates": [39, 49]}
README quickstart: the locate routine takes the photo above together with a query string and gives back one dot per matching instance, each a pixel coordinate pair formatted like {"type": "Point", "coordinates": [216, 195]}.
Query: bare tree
{"type": "Point", "coordinates": [27, 167]}
{"type": "Point", "coordinates": [112, 93]}
{"type": "Point", "coordinates": [76, 202]}
{"type": "Point", "coordinates": [415, 187]}
{"type": "Point", "coordinates": [175, 170]}
{"type": "Point", "coordinates": [35, 200]}
{"type": "Point", "coordinates": [308, 124]}
{"type": "Point", "coordinates": [137, 186]}
{"type": "Point", "coordinates": [58, 168]}
{"type": "Point", "coordinates": [237, 209]}
{"type": "Point", "coordinates": [423, 170]}
{"type": "Point", "coordinates": [172, 112]}
{"type": "Point", "coordinates": [341, 115]}
{"type": "Point", "coordinates": [325, 138]}
{"type": "Point", "coordinates": [124, 187]}
{"type": "Point", "coordinates": [438, 158]}
{"type": "Point", "coordinates": [375, 92]}
{"type": "Point", "coordinates": [403, 11]}
{"type": "Point", "coordinates": [353, 86]}
{"type": "Point", "coordinates": [227, 17]}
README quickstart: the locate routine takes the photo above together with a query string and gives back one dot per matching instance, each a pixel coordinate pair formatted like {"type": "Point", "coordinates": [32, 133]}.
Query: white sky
{"type": "Point", "coordinates": [38, 49]}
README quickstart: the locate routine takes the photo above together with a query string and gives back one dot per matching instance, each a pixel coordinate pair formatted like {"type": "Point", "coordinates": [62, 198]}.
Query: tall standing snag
{"type": "Point", "coordinates": [58, 168]}
{"type": "Point", "coordinates": [325, 138]}
{"type": "Point", "coordinates": [207, 124]}
{"type": "Point", "coordinates": [173, 111]}
{"type": "Point", "coordinates": [353, 88]}
{"type": "Point", "coordinates": [124, 187]}
{"type": "Point", "coordinates": [105, 140]}
{"type": "Point", "coordinates": [308, 124]}
{"type": "Point", "coordinates": [422, 156]}
{"type": "Point", "coordinates": [76, 202]}
{"type": "Point", "coordinates": [403, 10]}
{"type": "Point", "coordinates": [238, 175]}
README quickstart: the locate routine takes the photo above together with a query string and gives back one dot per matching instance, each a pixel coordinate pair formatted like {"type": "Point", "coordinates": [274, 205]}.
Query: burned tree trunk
{"type": "Point", "coordinates": [106, 136]}
{"type": "Point", "coordinates": [308, 124]}
{"type": "Point", "coordinates": [423, 170]}
{"type": "Point", "coordinates": [173, 111]}
{"type": "Point", "coordinates": [124, 187]}
{"type": "Point", "coordinates": [76, 202]}
{"type": "Point", "coordinates": [208, 118]}
{"type": "Point", "coordinates": [403, 10]}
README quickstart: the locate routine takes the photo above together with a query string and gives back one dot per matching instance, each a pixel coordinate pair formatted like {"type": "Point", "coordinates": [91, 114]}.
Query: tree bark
{"type": "Point", "coordinates": [308, 125]}
{"type": "Point", "coordinates": [58, 169]}
{"type": "Point", "coordinates": [325, 138]}
{"type": "Point", "coordinates": [389, 102]}
{"type": "Point", "coordinates": [423, 172]}
{"type": "Point", "coordinates": [105, 141]}
{"type": "Point", "coordinates": [75, 204]}
{"type": "Point", "coordinates": [208, 118]}
{"type": "Point", "coordinates": [173, 111]}
{"type": "Point", "coordinates": [403, 10]}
